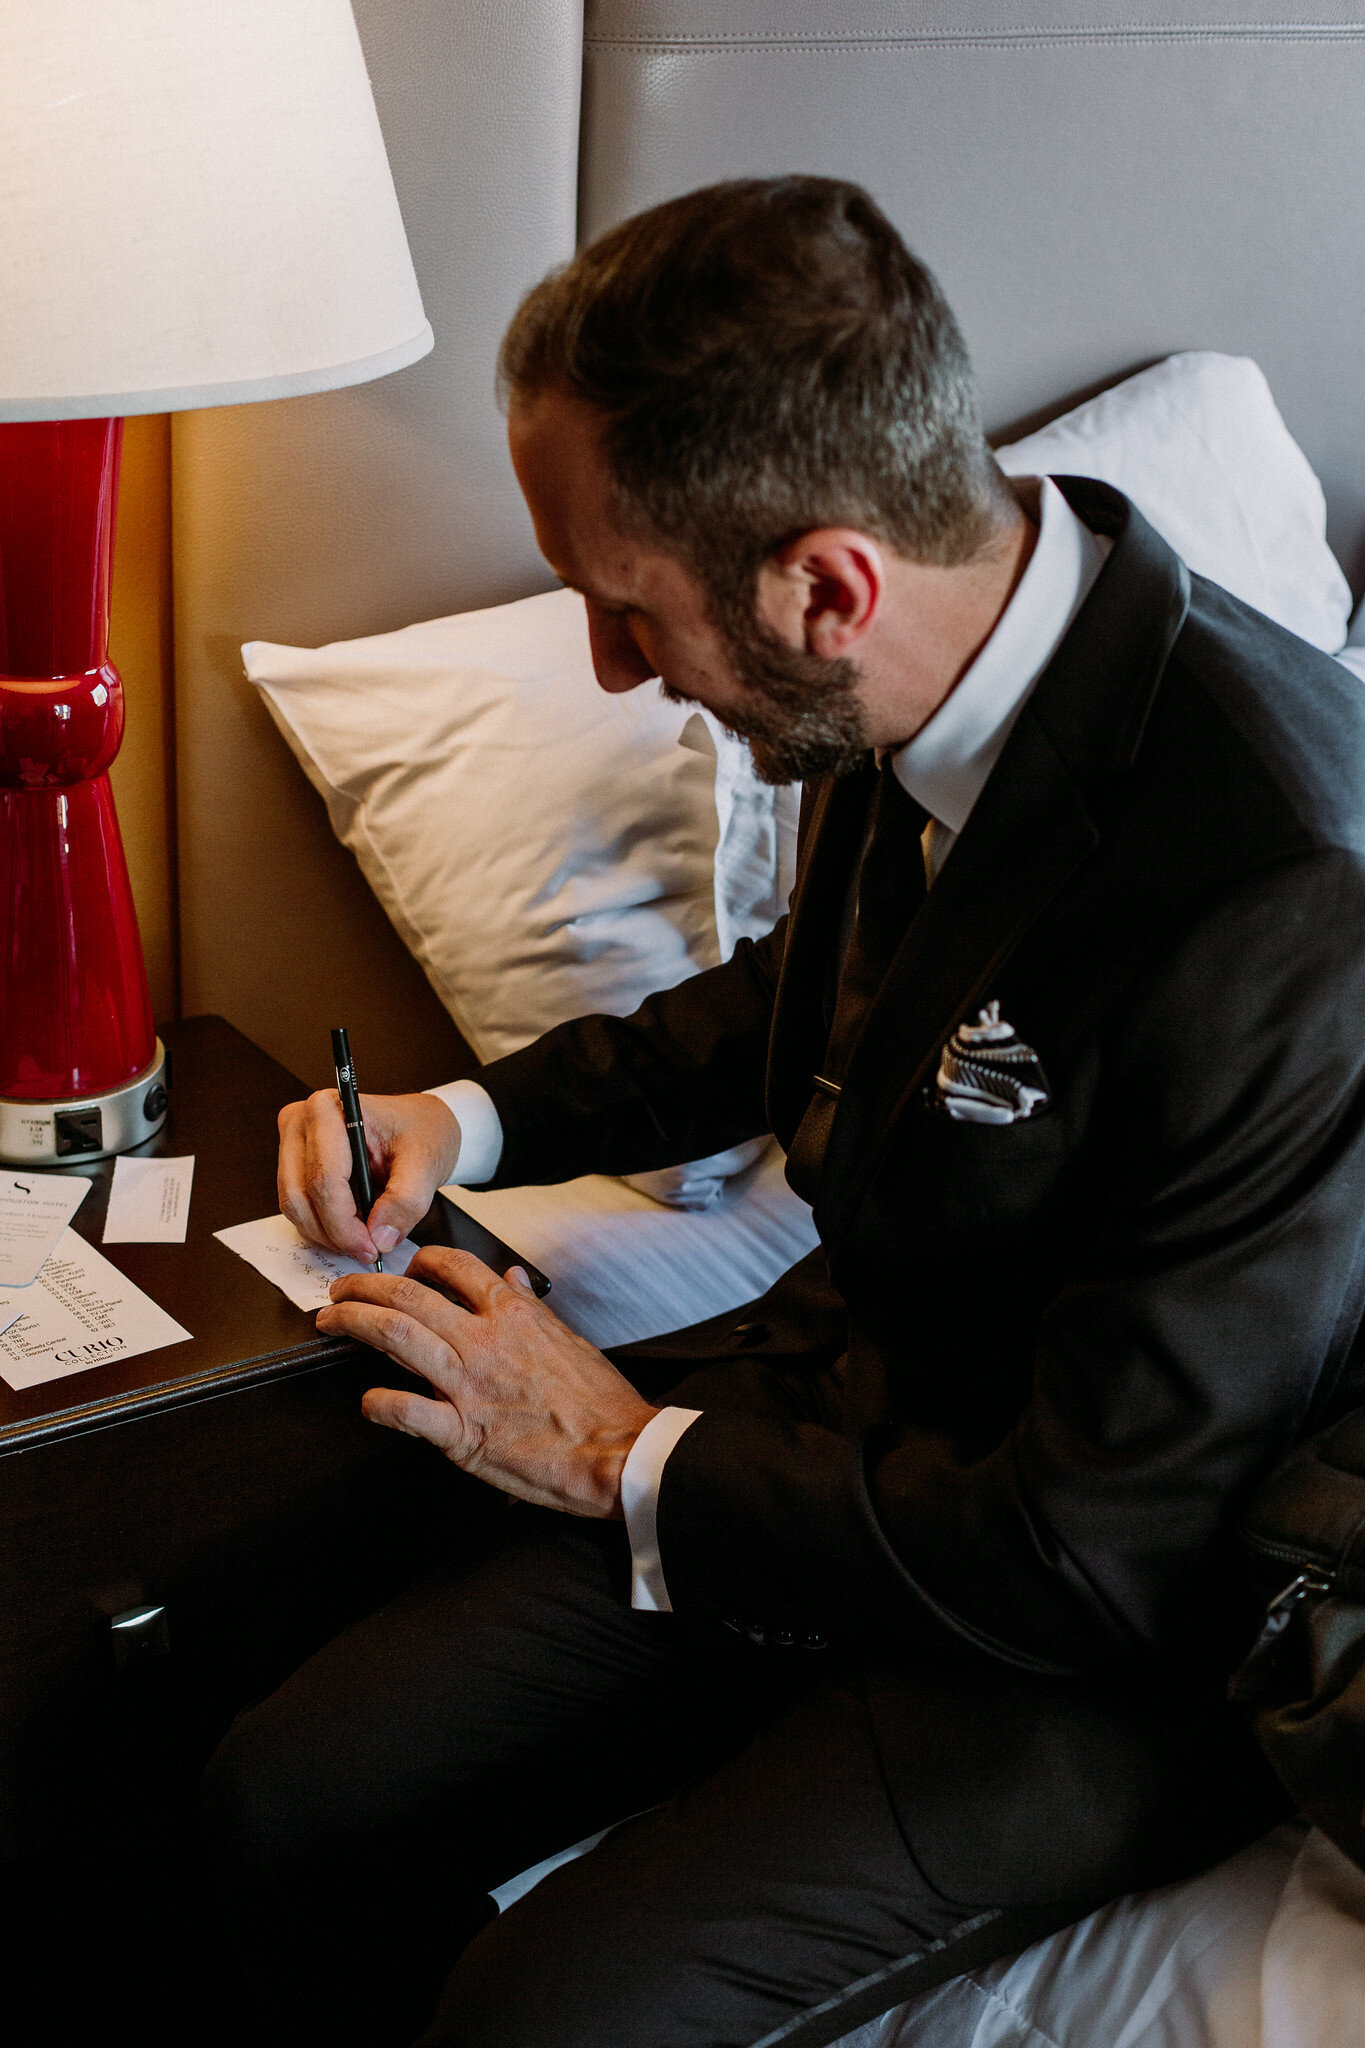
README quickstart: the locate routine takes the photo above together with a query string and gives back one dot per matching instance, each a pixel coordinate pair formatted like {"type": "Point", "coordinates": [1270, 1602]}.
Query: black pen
{"type": "Point", "coordinates": [355, 1127]}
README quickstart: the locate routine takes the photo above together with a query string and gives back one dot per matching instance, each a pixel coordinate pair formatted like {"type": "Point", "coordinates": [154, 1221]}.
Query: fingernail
{"type": "Point", "coordinates": [521, 1276]}
{"type": "Point", "coordinates": [385, 1238]}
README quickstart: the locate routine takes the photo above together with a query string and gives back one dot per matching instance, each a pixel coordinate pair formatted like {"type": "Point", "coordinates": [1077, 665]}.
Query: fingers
{"type": "Point", "coordinates": [291, 1171]}
{"type": "Point", "coordinates": [314, 1176]}
{"type": "Point", "coordinates": [412, 1183]}
{"type": "Point", "coordinates": [420, 1141]}
{"type": "Point", "coordinates": [476, 1285]}
{"type": "Point", "coordinates": [416, 1415]}
{"type": "Point", "coordinates": [401, 1325]}
{"type": "Point", "coordinates": [414, 1142]}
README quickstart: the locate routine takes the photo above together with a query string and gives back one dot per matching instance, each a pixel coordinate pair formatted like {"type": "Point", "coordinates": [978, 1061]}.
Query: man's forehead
{"type": "Point", "coordinates": [556, 442]}
{"type": "Point", "coordinates": [560, 464]}
{"type": "Point", "coordinates": [542, 423]}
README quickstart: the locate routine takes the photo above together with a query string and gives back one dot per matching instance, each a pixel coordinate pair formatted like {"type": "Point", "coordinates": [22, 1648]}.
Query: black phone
{"type": "Point", "coordinates": [447, 1223]}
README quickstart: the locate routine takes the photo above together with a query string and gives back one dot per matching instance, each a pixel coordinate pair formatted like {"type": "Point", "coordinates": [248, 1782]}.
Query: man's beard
{"type": "Point", "coordinates": [804, 721]}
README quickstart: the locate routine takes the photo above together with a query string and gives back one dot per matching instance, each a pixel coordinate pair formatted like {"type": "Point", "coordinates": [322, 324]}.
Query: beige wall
{"type": "Point", "coordinates": [140, 647]}
{"type": "Point", "coordinates": [362, 960]}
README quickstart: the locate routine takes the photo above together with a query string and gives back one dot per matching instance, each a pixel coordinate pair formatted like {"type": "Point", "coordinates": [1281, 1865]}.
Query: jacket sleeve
{"type": "Point", "coordinates": [681, 1078]}
{"type": "Point", "coordinates": [1212, 1291]}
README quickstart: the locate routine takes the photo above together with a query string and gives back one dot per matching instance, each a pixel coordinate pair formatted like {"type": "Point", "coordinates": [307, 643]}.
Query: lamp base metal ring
{"type": "Point", "coordinates": [71, 1130]}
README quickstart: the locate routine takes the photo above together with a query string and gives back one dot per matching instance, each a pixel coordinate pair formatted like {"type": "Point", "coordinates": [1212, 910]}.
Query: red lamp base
{"type": "Point", "coordinates": [75, 1013]}
{"type": "Point", "coordinates": [67, 1131]}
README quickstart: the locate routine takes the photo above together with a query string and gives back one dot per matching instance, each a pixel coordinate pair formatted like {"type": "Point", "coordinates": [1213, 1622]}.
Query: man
{"type": "Point", "coordinates": [930, 1552]}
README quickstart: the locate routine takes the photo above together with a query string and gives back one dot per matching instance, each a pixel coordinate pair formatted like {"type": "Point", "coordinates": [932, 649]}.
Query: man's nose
{"type": "Point", "coordinates": [616, 657]}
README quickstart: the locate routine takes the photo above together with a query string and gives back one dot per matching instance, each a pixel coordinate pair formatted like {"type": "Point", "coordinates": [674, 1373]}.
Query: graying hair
{"type": "Point", "coordinates": [768, 357]}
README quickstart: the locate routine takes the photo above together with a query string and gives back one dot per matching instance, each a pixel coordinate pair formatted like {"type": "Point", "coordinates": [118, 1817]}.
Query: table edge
{"type": "Point", "coordinates": [136, 1402]}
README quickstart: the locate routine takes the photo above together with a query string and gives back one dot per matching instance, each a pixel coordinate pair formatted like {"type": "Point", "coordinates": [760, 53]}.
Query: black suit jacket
{"type": "Point", "coordinates": [1074, 1343]}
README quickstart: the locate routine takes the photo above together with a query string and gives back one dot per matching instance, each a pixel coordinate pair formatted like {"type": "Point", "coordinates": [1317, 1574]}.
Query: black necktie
{"type": "Point", "coordinates": [891, 887]}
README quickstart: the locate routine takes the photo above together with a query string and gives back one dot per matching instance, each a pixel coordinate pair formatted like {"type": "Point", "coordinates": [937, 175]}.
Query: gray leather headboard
{"type": "Point", "coordinates": [1097, 183]}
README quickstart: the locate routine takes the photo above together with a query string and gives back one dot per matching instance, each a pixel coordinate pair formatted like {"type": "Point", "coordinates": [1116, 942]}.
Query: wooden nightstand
{"type": "Point", "coordinates": [230, 1482]}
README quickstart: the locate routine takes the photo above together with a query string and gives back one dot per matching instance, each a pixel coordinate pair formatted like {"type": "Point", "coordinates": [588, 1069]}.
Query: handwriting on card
{"type": "Point", "coordinates": [303, 1271]}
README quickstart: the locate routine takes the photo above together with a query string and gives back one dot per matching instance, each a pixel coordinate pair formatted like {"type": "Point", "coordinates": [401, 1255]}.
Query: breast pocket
{"type": "Point", "coordinates": [983, 1181]}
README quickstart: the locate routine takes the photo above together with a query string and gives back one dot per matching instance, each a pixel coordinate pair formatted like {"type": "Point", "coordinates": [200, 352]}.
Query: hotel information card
{"type": "Point", "coordinates": [79, 1312]}
{"type": "Point", "coordinates": [149, 1201]}
{"type": "Point", "coordinates": [35, 1209]}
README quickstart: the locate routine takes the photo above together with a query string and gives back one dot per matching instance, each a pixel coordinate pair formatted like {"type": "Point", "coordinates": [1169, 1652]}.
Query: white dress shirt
{"type": "Point", "coordinates": [945, 768]}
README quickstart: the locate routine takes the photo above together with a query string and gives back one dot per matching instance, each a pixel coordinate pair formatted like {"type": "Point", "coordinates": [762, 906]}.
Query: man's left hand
{"type": "Point", "coordinates": [519, 1400]}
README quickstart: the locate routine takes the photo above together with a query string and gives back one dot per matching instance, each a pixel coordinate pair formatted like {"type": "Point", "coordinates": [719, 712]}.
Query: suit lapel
{"type": "Point", "coordinates": [1025, 839]}
{"type": "Point", "coordinates": [1029, 831]}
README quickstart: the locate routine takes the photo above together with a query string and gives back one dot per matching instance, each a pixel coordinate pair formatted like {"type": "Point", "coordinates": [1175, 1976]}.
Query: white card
{"type": "Point", "coordinates": [149, 1202]}
{"type": "Point", "coordinates": [35, 1209]}
{"type": "Point", "coordinates": [79, 1312]}
{"type": "Point", "coordinates": [301, 1270]}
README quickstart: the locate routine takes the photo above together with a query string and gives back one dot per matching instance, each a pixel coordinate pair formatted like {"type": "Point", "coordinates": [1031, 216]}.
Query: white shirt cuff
{"type": "Point", "coordinates": [640, 1482]}
{"type": "Point", "coordinates": [480, 1131]}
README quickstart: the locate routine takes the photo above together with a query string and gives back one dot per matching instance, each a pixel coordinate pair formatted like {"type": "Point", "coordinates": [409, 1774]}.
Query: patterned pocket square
{"type": "Point", "coordinates": [987, 1074]}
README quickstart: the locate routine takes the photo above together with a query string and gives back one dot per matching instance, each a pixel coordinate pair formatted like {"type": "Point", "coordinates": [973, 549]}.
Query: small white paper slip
{"type": "Point", "coordinates": [149, 1202]}
{"type": "Point", "coordinates": [35, 1209]}
{"type": "Point", "coordinates": [301, 1270]}
{"type": "Point", "coordinates": [79, 1312]}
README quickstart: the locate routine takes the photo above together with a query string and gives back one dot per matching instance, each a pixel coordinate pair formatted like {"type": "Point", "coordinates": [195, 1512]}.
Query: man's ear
{"type": "Point", "coordinates": [823, 590]}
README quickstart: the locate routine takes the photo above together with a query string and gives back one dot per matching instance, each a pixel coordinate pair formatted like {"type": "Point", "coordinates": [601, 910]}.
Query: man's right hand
{"type": "Point", "coordinates": [414, 1142]}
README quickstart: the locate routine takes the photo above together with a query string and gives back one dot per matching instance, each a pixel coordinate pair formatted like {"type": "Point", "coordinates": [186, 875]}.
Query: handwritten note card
{"type": "Point", "coordinates": [149, 1202]}
{"type": "Point", "coordinates": [35, 1209]}
{"type": "Point", "coordinates": [301, 1270]}
{"type": "Point", "coordinates": [79, 1312]}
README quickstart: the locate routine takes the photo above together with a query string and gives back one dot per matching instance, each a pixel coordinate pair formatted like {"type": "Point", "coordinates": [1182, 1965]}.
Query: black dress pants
{"type": "Point", "coordinates": [494, 1714]}
{"type": "Point", "coordinates": [486, 1719]}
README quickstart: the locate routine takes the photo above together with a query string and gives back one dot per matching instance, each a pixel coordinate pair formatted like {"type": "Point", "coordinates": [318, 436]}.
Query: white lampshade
{"type": "Point", "coordinates": [195, 208]}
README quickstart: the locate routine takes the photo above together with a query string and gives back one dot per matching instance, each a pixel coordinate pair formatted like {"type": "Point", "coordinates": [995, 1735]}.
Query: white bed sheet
{"type": "Point", "coordinates": [1265, 1951]}
{"type": "Point", "coordinates": [624, 1266]}
{"type": "Point", "coordinates": [1175, 1968]}
{"type": "Point", "coordinates": [1313, 1970]}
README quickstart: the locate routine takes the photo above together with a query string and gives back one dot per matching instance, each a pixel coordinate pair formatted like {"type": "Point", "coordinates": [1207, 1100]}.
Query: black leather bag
{"type": "Point", "coordinates": [1304, 1680]}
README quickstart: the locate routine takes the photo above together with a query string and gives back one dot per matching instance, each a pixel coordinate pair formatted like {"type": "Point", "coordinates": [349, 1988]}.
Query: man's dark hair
{"type": "Point", "coordinates": [768, 357]}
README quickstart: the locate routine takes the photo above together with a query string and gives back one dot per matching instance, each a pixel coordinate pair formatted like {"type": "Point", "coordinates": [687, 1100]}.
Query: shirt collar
{"type": "Point", "coordinates": [946, 765]}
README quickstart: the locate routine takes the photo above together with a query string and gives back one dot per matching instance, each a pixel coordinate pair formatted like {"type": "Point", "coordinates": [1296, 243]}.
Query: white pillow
{"type": "Point", "coordinates": [1199, 446]}
{"type": "Point", "coordinates": [543, 848]}
{"type": "Point", "coordinates": [756, 836]}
